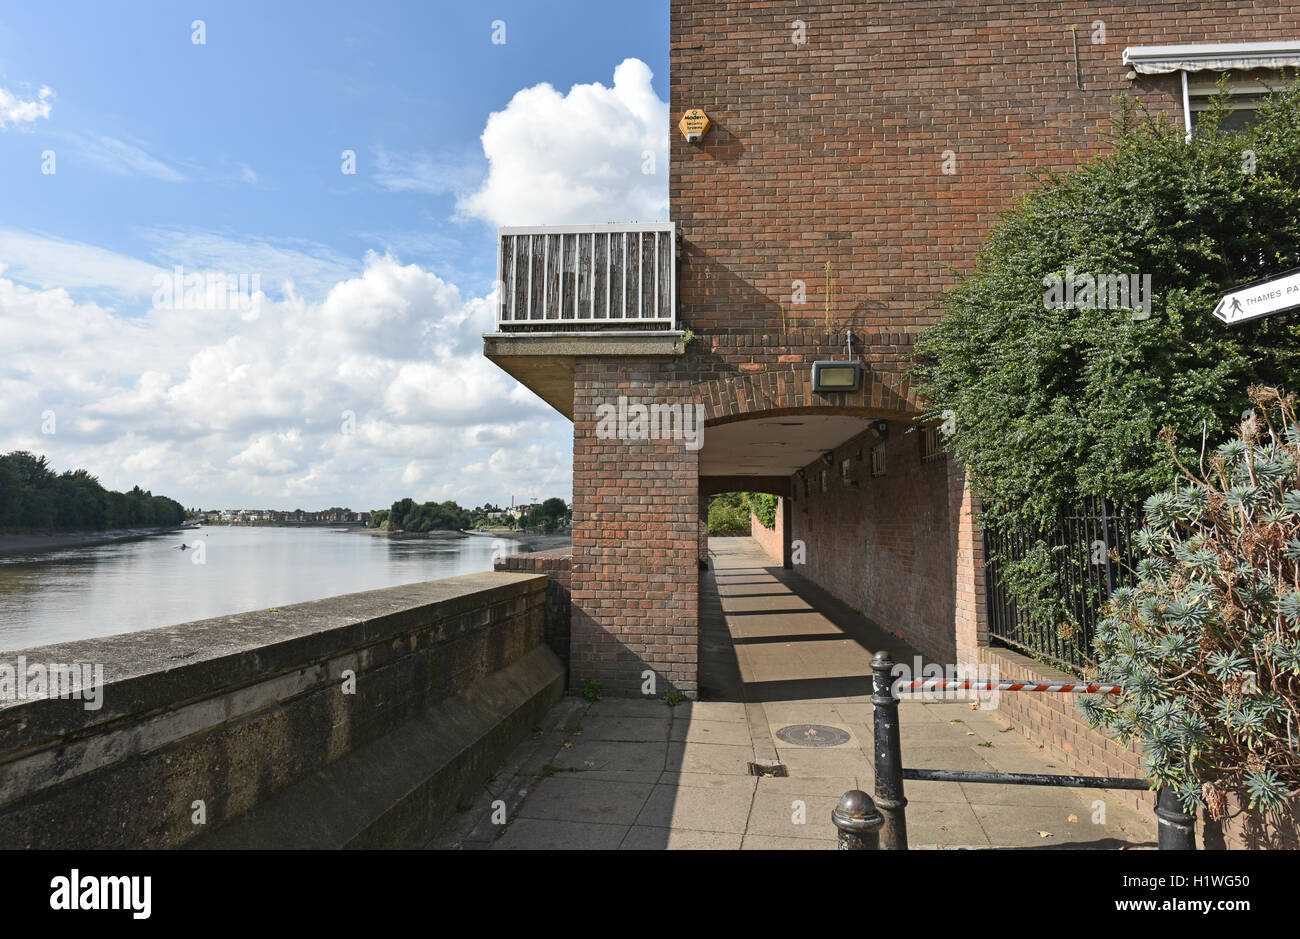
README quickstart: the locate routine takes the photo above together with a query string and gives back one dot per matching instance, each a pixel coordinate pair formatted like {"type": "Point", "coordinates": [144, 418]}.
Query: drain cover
{"type": "Point", "coordinates": [813, 735]}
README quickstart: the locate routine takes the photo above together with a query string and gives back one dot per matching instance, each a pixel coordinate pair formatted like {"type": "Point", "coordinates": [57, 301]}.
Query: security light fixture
{"type": "Point", "coordinates": [830, 376]}
{"type": "Point", "coordinates": [880, 429]}
{"type": "Point", "coordinates": [828, 458]}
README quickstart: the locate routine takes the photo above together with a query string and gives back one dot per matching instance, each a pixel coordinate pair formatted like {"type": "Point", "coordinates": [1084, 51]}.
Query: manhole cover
{"type": "Point", "coordinates": [813, 735]}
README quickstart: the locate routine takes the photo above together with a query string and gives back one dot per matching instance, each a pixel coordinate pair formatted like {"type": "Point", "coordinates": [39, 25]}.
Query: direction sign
{"type": "Point", "coordinates": [1271, 296]}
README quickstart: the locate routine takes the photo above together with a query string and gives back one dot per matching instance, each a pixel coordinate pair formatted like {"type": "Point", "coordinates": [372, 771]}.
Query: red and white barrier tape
{"type": "Point", "coordinates": [940, 685]}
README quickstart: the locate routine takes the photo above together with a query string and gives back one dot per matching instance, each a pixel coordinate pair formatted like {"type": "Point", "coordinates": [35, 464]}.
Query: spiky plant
{"type": "Point", "coordinates": [1206, 643]}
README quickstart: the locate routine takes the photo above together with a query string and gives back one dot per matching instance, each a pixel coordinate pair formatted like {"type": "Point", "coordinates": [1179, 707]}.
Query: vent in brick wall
{"type": "Point", "coordinates": [930, 444]}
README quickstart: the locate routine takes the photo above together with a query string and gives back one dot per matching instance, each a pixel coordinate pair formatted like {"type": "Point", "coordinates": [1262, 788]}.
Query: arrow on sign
{"type": "Point", "coordinates": [1262, 299]}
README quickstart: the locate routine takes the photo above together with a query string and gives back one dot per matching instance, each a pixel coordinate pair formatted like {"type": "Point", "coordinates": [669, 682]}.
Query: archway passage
{"type": "Point", "coordinates": [869, 511]}
{"type": "Point", "coordinates": [864, 514]}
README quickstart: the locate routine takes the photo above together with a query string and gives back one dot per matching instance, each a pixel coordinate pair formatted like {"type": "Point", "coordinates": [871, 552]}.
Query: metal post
{"type": "Point", "coordinates": [858, 822]}
{"type": "Point", "coordinates": [1177, 829]}
{"type": "Point", "coordinates": [888, 755]}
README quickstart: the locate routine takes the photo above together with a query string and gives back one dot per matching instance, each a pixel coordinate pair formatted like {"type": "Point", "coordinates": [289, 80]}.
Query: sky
{"type": "Point", "coordinates": [247, 250]}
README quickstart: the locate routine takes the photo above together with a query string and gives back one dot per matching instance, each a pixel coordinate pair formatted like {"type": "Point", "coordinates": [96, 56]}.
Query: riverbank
{"type": "Point", "coordinates": [25, 544]}
{"type": "Point", "coordinates": [527, 540]}
{"type": "Point", "coordinates": [404, 535]}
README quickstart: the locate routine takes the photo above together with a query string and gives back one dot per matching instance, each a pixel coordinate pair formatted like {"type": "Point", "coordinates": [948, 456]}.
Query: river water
{"type": "Point", "coordinates": [102, 590]}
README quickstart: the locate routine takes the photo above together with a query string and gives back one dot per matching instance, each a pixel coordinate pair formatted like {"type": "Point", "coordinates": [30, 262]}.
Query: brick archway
{"type": "Point", "coordinates": [773, 392]}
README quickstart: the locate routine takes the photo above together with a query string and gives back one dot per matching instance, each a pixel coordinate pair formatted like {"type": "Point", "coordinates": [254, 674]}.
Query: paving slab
{"type": "Point", "coordinates": [731, 733]}
{"type": "Point", "coordinates": [636, 774]}
{"type": "Point", "coordinates": [576, 798]}
{"type": "Point", "coordinates": [773, 843]}
{"type": "Point", "coordinates": [697, 809]}
{"type": "Point", "coordinates": [787, 815]}
{"type": "Point", "coordinates": [722, 759]}
{"type": "Point", "coordinates": [533, 834]}
{"type": "Point", "coordinates": [644, 838]}
{"type": "Point", "coordinates": [611, 756]}
{"type": "Point", "coordinates": [631, 729]}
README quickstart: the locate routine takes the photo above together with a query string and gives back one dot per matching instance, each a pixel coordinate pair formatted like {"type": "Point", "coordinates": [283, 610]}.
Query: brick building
{"type": "Point", "coordinates": [857, 157]}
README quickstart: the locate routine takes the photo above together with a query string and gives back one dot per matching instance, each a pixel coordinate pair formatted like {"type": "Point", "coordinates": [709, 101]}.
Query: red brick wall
{"type": "Point", "coordinates": [884, 545]}
{"type": "Point", "coordinates": [635, 537]}
{"type": "Point", "coordinates": [1053, 722]}
{"type": "Point", "coordinates": [770, 539]}
{"type": "Point", "coordinates": [832, 151]}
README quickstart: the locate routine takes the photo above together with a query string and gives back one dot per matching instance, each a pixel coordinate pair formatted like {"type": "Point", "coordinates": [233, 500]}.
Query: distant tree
{"type": "Point", "coordinates": [33, 497]}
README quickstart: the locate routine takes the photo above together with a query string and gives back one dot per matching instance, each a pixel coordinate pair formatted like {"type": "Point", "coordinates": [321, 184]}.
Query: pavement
{"type": "Point", "coordinates": [784, 680]}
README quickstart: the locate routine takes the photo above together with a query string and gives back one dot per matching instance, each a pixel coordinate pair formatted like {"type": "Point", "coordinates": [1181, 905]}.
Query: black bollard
{"type": "Point", "coordinates": [858, 822]}
{"type": "Point", "coordinates": [888, 755]}
{"type": "Point", "coordinates": [1177, 829]}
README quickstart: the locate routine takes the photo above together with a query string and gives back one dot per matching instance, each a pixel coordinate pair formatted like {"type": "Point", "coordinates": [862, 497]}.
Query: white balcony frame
{"type": "Point", "coordinates": [507, 303]}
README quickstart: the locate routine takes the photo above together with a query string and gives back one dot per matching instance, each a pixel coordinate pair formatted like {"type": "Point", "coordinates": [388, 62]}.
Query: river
{"type": "Point", "coordinates": [103, 590]}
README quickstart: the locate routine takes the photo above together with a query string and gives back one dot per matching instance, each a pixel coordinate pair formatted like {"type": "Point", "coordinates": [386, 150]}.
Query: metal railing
{"type": "Point", "coordinates": [1085, 577]}
{"type": "Point", "coordinates": [587, 277]}
{"type": "Point", "coordinates": [865, 823]}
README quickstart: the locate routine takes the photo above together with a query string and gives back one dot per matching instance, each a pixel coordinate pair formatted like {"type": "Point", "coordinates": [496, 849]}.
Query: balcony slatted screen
{"type": "Point", "coordinates": [599, 276]}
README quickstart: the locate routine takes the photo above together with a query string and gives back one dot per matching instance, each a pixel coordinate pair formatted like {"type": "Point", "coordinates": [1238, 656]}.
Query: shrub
{"type": "Point", "coordinates": [728, 512]}
{"type": "Point", "coordinates": [1206, 644]}
{"type": "Point", "coordinates": [1048, 405]}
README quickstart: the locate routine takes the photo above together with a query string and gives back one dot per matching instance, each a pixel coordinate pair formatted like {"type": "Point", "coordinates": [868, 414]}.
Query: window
{"type": "Point", "coordinates": [1254, 69]}
{"type": "Point", "coordinates": [846, 472]}
{"type": "Point", "coordinates": [878, 460]}
{"type": "Point", "coordinates": [930, 444]}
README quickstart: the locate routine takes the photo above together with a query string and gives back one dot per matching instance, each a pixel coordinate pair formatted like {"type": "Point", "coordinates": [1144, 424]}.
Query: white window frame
{"type": "Point", "coordinates": [1211, 57]}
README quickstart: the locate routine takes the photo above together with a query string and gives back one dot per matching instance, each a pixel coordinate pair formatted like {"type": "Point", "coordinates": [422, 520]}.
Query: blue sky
{"type": "Point", "coordinates": [358, 379]}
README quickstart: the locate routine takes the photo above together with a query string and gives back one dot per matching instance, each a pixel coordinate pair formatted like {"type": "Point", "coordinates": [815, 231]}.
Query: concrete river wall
{"type": "Point", "coordinates": [357, 721]}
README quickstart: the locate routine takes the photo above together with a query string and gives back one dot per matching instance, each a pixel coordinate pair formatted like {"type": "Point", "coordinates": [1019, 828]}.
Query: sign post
{"type": "Point", "coordinates": [1262, 299]}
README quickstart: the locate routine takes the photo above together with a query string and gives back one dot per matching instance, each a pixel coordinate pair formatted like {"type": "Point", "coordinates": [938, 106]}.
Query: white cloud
{"type": "Point", "coordinates": [124, 159]}
{"type": "Point", "coordinates": [49, 262]}
{"type": "Point", "coordinates": [578, 157]}
{"type": "Point", "coordinates": [16, 110]}
{"type": "Point", "coordinates": [377, 391]}
{"type": "Point", "coordinates": [424, 173]}
{"type": "Point", "coordinates": [308, 265]}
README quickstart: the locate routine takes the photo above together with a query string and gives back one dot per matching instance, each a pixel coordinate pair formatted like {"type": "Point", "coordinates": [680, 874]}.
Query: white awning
{"type": "Point", "coordinates": [1217, 57]}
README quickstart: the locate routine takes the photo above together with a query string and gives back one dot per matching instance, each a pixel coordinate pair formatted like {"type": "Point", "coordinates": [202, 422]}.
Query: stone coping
{"type": "Point", "coordinates": [169, 666]}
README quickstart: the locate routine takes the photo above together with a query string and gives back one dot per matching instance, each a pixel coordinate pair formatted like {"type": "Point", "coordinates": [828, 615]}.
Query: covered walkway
{"type": "Point", "coordinates": [784, 681]}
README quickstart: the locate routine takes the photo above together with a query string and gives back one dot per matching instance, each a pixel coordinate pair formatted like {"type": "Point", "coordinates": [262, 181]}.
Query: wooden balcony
{"type": "Point", "coordinates": [587, 278]}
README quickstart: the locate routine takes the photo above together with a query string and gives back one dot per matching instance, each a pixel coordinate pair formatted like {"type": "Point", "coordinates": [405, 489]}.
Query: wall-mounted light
{"type": "Point", "coordinates": [828, 458]}
{"type": "Point", "coordinates": [829, 376]}
{"type": "Point", "coordinates": [880, 429]}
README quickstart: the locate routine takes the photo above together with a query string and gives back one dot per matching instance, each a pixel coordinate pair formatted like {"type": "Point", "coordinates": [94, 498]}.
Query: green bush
{"type": "Point", "coordinates": [1046, 405]}
{"type": "Point", "coordinates": [1207, 643]}
{"type": "Point", "coordinates": [728, 512]}
{"type": "Point", "coordinates": [763, 506]}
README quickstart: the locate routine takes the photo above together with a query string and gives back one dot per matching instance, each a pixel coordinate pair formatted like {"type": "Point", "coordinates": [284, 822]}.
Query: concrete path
{"type": "Point", "coordinates": [777, 652]}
